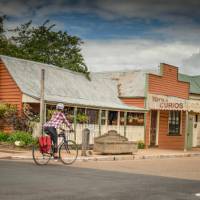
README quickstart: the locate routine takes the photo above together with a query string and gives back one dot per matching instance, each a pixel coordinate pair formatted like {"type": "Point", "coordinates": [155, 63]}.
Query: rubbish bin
{"type": "Point", "coordinates": [85, 141]}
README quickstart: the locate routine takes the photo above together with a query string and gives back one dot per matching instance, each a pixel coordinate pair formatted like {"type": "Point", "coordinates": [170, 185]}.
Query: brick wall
{"type": "Point", "coordinates": [138, 102]}
{"type": "Point", "coordinates": [9, 92]}
{"type": "Point", "coordinates": [168, 83]}
{"type": "Point", "coordinates": [170, 142]}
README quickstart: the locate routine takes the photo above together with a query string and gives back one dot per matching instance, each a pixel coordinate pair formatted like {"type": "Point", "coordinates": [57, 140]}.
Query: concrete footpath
{"type": "Point", "coordinates": [142, 154]}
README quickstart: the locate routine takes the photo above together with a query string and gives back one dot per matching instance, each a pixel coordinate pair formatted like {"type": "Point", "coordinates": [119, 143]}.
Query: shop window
{"type": "Point", "coordinates": [81, 111]}
{"type": "Point", "coordinates": [174, 122]}
{"type": "Point", "coordinates": [112, 118]}
{"type": "Point", "coordinates": [135, 119]}
{"type": "Point", "coordinates": [93, 116]}
{"type": "Point", "coordinates": [196, 118]}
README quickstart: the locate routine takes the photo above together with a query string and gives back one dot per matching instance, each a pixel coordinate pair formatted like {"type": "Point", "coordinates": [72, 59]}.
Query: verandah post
{"type": "Point", "coordinates": [186, 130]}
{"type": "Point", "coordinates": [100, 113]}
{"type": "Point", "coordinates": [45, 112]}
{"type": "Point", "coordinates": [75, 122]}
{"type": "Point", "coordinates": [125, 123]}
{"type": "Point", "coordinates": [106, 119]}
{"type": "Point", "coordinates": [42, 109]}
{"type": "Point", "coordinates": [118, 121]}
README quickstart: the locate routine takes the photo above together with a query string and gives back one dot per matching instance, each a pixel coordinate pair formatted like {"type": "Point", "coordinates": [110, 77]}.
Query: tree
{"type": "Point", "coordinates": [43, 44]}
{"type": "Point", "coordinates": [1, 25]}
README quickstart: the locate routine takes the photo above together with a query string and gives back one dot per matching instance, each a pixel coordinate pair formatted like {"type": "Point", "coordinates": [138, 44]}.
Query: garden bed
{"type": "Point", "coordinates": [18, 140]}
{"type": "Point", "coordinates": [8, 146]}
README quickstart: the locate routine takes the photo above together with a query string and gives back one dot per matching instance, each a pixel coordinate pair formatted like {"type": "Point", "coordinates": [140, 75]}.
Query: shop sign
{"type": "Point", "coordinates": [194, 105]}
{"type": "Point", "coordinates": [160, 102]}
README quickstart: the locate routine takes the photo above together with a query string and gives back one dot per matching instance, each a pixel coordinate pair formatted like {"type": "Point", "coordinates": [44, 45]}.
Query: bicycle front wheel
{"type": "Point", "coordinates": [39, 157]}
{"type": "Point", "coordinates": [68, 152]}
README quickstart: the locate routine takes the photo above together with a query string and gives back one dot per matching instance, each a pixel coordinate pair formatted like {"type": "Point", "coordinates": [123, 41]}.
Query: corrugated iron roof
{"type": "Point", "coordinates": [62, 85]}
{"type": "Point", "coordinates": [194, 82]}
{"type": "Point", "coordinates": [131, 83]}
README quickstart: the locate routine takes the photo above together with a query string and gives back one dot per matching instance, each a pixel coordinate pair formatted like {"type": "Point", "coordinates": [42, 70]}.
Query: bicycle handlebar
{"type": "Point", "coordinates": [66, 130]}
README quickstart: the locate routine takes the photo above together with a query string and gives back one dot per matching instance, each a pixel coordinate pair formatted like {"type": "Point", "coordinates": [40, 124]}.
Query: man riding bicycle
{"type": "Point", "coordinates": [58, 118]}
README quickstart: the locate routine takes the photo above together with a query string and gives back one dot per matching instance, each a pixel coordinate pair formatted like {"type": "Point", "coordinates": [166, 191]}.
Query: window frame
{"type": "Point", "coordinates": [177, 123]}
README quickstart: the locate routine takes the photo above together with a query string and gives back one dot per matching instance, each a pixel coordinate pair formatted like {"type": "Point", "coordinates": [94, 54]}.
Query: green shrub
{"type": "Point", "coordinates": [50, 113]}
{"type": "Point", "coordinates": [2, 110]}
{"type": "Point", "coordinates": [7, 110]}
{"type": "Point", "coordinates": [22, 136]}
{"type": "Point", "coordinates": [141, 144]}
{"type": "Point", "coordinates": [3, 137]}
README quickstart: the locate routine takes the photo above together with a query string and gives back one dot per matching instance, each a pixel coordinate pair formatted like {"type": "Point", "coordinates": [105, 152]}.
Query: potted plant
{"type": "Point", "coordinates": [82, 118]}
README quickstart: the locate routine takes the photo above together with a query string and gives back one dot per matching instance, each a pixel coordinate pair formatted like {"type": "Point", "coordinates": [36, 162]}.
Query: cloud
{"type": "Point", "coordinates": [192, 64]}
{"type": "Point", "coordinates": [135, 54]}
{"type": "Point", "coordinates": [110, 9]}
{"type": "Point", "coordinates": [18, 8]}
{"type": "Point", "coordinates": [150, 8]}
{"type": "Point", "coordinates": [169, 12]}
{"type": "Point", "coordinates": [156, 31]}
{"type": "Point", "coordinates": [177, 17]}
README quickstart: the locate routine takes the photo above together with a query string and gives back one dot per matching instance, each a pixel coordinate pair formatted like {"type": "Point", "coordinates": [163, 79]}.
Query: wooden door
{"type": "Point", "coordinates": [153, 129]}
{"type": "Point", "coordinates": [190, 132]}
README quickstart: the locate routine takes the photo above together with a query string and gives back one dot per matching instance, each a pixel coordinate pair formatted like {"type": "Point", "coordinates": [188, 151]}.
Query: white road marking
{"type": "Point", "coordinates": [197, 194]}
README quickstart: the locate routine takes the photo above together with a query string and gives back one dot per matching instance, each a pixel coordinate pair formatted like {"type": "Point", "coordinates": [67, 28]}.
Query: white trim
{"type": "Point", "coordinates": [157, 126]}
{"type": "Point", "coordinates": [150, 128]}
{"type": "Point", "coordinates": [118, 121]}
{"type": "Point", "coordinates": [28, 99]}
{"type": "Point", "coordinates": [106, 118]}
{"type": "Point", "coordinates": [181, 123]}
{"type": "Point", "coordinates": [186, 131]}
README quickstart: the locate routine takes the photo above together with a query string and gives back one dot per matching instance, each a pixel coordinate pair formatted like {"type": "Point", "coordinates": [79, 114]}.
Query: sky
{"type": "Point", "coordinates": [121, 34]}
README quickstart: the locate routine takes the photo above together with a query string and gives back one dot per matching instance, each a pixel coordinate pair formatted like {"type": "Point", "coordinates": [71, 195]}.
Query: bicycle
{"type": "Point", "coordinates": [68, 151]}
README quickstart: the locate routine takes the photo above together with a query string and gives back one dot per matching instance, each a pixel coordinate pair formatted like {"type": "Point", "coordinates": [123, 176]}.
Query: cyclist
{"type": "Point", "coordinates": [57, 119]}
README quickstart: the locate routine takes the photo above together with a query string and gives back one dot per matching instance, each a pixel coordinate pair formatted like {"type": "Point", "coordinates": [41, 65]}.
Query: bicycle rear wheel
{"type": "Point", "coordinates": [68, 152]}
{"type": "Point", "coordinates": [39, 157]}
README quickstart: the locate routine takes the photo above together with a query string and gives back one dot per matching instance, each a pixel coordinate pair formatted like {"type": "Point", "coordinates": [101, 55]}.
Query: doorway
{"type": "Point", "coordinates": [153, 129]}
{"type": "Point", "coordinates": [190, 132]}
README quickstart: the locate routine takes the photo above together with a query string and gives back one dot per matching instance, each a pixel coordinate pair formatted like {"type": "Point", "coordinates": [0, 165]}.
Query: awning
{"type": "Point", "coordinates": [83, 102]}
{"type": "Point", "coordinates": [194, 106]}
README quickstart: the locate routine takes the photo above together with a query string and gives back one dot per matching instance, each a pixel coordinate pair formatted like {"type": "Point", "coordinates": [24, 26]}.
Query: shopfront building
{"type": "Point", "coordinates": [166, 100]}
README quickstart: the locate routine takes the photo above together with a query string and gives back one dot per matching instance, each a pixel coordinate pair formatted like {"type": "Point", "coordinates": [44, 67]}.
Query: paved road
{"type": "Point", "coordinates": [184, 168]}
{"type": "Point", "coordinates": [25, 181]}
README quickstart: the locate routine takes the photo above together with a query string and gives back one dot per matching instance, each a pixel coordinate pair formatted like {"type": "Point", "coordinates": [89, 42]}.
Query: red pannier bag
{"type": "Point", "coordinates": [45, 144]}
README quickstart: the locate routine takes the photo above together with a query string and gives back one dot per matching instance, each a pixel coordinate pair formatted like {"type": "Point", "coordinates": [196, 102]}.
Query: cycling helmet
{"type": "Point", "coordinates": [59, 106]}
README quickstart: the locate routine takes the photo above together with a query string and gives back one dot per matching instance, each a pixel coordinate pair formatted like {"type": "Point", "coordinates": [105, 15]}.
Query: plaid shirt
{"type": "Point", "coordinates": [56, 120]}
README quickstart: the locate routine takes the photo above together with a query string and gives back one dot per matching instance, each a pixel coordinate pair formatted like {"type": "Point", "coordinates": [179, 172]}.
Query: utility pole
{"type": "Point", "coordinates": [42, 100]}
